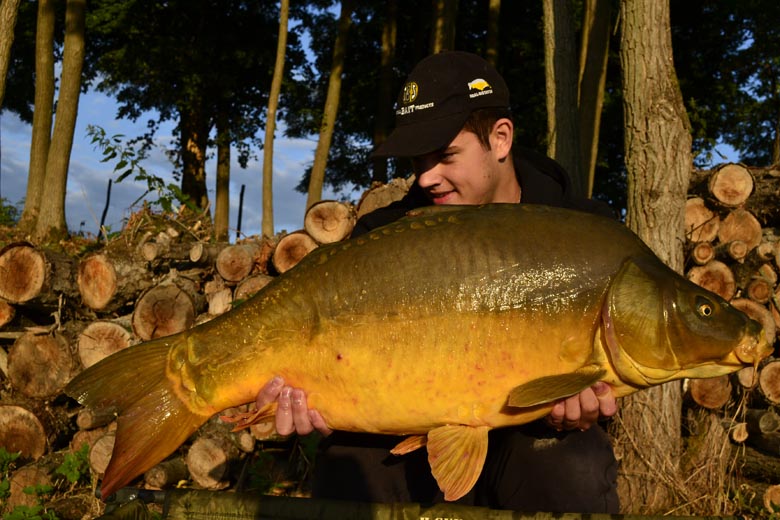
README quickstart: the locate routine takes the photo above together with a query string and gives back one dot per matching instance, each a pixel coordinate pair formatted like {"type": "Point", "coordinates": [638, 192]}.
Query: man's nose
{"type": "Point", "coordinates": [429, 177]}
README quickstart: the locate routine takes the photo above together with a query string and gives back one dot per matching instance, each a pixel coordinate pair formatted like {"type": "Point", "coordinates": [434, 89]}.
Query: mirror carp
{"type": "Point", "coordinates": [441, 326]}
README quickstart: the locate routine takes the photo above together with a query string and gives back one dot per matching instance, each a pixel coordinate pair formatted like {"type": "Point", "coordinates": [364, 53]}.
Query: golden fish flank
{"type": "Point", "coordinates": [387, 325]}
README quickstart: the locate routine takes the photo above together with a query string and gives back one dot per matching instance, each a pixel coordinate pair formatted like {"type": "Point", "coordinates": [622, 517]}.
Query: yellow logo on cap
{"type": "Point", "coordinates": [478, 84]}
{"type": "Point", "coordinates": [410, 92]}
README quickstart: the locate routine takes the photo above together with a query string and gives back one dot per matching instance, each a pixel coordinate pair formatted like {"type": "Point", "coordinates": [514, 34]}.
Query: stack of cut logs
{"type": "Point", "coordinates": [732, 220]}
{"type": "Point", "coordinates": [60, 313]}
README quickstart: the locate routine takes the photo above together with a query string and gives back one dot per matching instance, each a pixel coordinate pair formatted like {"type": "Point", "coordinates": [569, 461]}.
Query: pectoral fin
{"type": "Point", "coordinates": [551, 388]}
{"type": "Point", "coordinates": [246, 419]}
{"type": "Point", "coordinates": [409, 444]}
{"type": "Point", "coordinates": [456, 454]}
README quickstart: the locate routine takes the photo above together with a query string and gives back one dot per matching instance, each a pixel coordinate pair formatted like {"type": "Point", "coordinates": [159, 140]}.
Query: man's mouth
{"type": "Point", "coordinates": [440, 198]}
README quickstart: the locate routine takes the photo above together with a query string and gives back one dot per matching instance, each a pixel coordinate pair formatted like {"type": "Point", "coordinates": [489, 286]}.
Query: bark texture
{"type": "Point", "coordinates": [658, 160]}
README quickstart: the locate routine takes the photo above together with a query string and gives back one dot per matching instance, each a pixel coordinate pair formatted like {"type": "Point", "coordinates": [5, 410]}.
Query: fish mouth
{"type": "Point", "coordinates": [754, 346]}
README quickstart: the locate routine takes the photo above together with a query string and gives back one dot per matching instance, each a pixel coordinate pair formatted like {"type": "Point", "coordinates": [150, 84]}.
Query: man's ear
{"type": "Point", "coordinates": [501, 137]}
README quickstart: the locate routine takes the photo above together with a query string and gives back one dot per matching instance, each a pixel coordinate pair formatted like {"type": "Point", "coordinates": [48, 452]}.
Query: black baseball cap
{"type": "Point", "coordinates": [437, 99]}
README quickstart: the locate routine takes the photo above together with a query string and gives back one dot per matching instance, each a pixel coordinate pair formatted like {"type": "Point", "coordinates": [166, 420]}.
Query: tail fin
{"type": "Point", "coordinates": [152, 420]}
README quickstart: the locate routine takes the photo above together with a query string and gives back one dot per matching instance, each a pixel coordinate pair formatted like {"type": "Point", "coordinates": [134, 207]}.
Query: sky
{"type": "Point", "coordinates": [88, 177]}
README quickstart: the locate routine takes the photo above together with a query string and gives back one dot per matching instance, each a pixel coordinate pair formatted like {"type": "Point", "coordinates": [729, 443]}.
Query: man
{"type": "Point", "coordinates": [453, 121]}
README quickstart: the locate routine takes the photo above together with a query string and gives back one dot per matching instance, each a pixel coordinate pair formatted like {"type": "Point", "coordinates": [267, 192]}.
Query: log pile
{"type": "Point", "coordinates": [732, 219]}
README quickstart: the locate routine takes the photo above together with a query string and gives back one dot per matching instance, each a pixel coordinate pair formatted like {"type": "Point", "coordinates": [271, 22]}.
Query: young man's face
{"type": "Point", "coordinates": [466, 173]}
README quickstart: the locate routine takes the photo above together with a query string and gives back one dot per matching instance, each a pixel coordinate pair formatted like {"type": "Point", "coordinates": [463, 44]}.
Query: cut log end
{"type": "Point", "coordinates": [163, 310]}
{"type": "Point", "coordinates": [329, 221]}
{"type": "Point", "coordinates": [711, 393]}
{"type": "Point", "coordinates": [769, 381]}
{"type": "Point", "coordinates": [234, 263]}
{"type": "Point", "coordinates": [39, 365]}
{"type": "Point", "coordinates": [101, 339]}
{"type": "Point", "coordinates": [22, 432]}
{"type": "Point", "coordinates": [251, 285]}
{"type": "Point", "coordinates": [7, 313]}
{"type": "Point", "coordinates": [291, 249]}
{"type": "Point", "coordinates": [97, 281]}
{"type": "Point", "coordinates": [22, 273]}
{"type": "Point", "coordinates": [716, 277]}
{"type": "Point", "coordinates": [701, 223]}
{"type": "Point", "coordinates": [731, 185]}
{"type": "Point", "coordinates": [740, 225]}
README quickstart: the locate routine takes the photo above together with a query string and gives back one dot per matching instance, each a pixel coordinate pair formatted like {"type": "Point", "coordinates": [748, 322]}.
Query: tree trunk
{"type": "Point", "coordinates": [658, 160]}
{"type": "Point", "coordinates": [776, 143]}
{"type": "Point", "coordinates": [563, 142]}
{"type": "Point", "coordinates": [384, 99]}
{"type": "Point", "coordinates": [51, 224]}
{"type": "Point", "coordinates": [331, 105]}
{"type": "Point", "coordinates": [8, 10]}
{"type": "Point", "coordinates": [222, 198]}
{"type": "Point", "coordinates": [42, 115]}
{"type": "Point", "coordinates": [270, 122]}
{"type": "Point", "coordinates": [491, 41]}
{"type": "Point", "coordinates": [593, 74]}
{"type": "Point", "coordinates": [194, 133]}
{"type": "Point", "coordinates": [445, 14]}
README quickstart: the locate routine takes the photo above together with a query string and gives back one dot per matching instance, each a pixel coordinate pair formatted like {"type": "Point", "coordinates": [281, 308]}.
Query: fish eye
{"type": "Point", "coordinates": [704, 307]}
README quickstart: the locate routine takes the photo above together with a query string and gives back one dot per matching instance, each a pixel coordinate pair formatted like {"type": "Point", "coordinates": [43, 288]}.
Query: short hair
{"type": "Point", "coordinates": [481, 121]}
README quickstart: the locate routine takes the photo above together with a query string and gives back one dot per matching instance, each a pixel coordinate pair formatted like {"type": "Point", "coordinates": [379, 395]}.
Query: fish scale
{"type": "Point", "coordinates": [442, 325]}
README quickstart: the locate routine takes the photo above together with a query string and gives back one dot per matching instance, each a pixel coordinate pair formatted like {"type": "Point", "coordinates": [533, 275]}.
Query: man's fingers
{"type": "Point", "coordinates": [300, 412]}
{"type": "Point", "coordinates": [589, 409]}
{"type": "Point", "coordinates": [607, 401]}
{"type": "Point", "coordinates": [555, 418]}
{"type": "Point", "coordinates": [319, 423]}
{"type": "Point", "coordinates": [284, 418]}
{"type": "Point", "coordinates": [269, 392]}
{"type": "Point", "coordinates": [573, 413]}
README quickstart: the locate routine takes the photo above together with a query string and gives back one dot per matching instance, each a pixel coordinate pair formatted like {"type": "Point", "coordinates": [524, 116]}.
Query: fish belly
{"type": "Point", "coordinates": [405, 375]}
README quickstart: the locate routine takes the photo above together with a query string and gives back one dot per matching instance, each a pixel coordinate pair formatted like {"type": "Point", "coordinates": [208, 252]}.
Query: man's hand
{"type": "Point", "coordinates": [583, 410]}
{"type": "Point", "coordinates": [292, 413]}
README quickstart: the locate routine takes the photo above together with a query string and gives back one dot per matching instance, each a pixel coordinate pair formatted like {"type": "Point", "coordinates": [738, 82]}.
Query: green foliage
{"type": "Point", "coordinates": [37, 512]}
{"type": "Point", "coordinates": [7, 464]}
{"type": "Point", "coordinates": [7, 460]}
{"type": "Point", "coordinates": [9, 213]}
{"type": "Point", "coordinates": [726, 58]}
{"type": "Point", "coordinates": [38, 490]}
{"type": "Point", "coordinates": [75, 466]}
{"type": "Point", "coordinates": [128, 162]}
{"type": "Point", "coordinates": [190, 62]}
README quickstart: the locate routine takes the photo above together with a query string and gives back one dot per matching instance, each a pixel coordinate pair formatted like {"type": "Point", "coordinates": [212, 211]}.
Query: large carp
{"type": "Point", "coordinates": [442, 326]}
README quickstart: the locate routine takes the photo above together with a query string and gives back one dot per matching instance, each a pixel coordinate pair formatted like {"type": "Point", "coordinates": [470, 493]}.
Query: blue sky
{"type": "Point", "coordinates": [88, 177]}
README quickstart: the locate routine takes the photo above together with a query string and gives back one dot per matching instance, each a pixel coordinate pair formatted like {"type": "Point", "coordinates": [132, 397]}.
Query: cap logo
{"type": "Point", "coordinates": [410, 92]}
{"type": "Point", "coordinates": [479, 84]}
